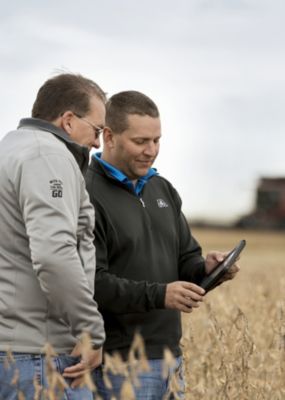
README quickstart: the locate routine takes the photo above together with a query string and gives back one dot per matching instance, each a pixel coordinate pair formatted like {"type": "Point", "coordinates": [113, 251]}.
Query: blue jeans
{"type": "Point", "coordinates": [153, 386]}
{"type": "Point", "coordinates": [17, 374]}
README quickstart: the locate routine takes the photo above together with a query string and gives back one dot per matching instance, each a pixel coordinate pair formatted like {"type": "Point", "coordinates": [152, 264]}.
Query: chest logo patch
{"type": "Point", "coordinates": [161, 203]}
{"type": "Point", "coordinates": [56, 187]}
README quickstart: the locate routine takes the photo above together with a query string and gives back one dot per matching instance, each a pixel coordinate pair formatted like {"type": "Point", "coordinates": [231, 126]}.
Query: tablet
{"type": "Point", "coordinates": [211, 280]}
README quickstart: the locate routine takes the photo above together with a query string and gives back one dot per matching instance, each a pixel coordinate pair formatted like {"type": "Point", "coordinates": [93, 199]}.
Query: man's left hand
{"type": "Point", "coordinates": [92, 360]}
{"type": "Point", "coordinates": [215, 257]}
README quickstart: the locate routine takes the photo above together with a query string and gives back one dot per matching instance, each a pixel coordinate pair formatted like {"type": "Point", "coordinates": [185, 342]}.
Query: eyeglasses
{"type": "Point", "coordinates": [97, 129]}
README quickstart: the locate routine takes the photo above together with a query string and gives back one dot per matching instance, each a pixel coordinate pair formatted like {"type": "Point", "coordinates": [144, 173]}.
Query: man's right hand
{"type": "Point", "coordinates": [183, 296]}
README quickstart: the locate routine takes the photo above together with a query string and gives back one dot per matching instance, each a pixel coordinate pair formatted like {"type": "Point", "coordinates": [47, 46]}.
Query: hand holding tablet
{"type": "Point", "coordinates": [211, 280]}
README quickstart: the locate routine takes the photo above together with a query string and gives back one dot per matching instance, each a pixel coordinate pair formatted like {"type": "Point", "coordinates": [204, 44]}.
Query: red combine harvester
{"type": "Point", "coordinates": [269, 210]}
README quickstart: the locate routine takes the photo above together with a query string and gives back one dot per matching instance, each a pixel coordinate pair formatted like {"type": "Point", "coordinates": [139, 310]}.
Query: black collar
{"type": "Point", "coordinates": [81, 153]}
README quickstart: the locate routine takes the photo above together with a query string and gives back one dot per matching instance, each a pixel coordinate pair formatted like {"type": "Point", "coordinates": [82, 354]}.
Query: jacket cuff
{"type": "Point", "coordinates": [200, 272]}
{"type": "Point", "coordinates": [160, 298]}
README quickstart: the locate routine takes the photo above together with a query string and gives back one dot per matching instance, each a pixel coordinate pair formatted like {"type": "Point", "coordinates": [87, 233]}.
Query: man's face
{"type": "Point", "coordinates": [86, 128]}
{"type": "Point", "coordinates": [135, 149]}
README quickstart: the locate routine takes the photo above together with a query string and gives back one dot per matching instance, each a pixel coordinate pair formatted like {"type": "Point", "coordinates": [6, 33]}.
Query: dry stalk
{"type": "Point", "coordinates": [56, 382]}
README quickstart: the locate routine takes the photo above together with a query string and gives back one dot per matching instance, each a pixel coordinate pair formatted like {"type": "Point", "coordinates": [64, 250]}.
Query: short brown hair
{"type": "Point", "coordinates": [122, 104]}
{"type": "Point", "coordinates": [65, 92]}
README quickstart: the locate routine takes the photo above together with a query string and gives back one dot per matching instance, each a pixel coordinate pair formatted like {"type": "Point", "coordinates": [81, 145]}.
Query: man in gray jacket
{"type": "Point", "coordinates": [47, 256]}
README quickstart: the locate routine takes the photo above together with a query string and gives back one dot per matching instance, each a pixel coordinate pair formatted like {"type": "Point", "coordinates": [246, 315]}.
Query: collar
{"type": "Point", "coordinates": [121, 177]}
{"type": "Point", "coordinates": [37, 123]}
{"type": "Point", "coordinates": [81, 153]}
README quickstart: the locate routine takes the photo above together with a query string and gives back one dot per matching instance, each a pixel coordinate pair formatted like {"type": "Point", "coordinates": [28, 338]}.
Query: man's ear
{"type": "Point", "coordinates": [108, 137]}
{"type": "Point", "coordinates": [66, 121]}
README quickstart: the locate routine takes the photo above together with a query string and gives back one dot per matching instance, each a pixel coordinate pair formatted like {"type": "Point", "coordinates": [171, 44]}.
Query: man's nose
{"type": "Point", "coordinates": [151, 149]}
{"type": "Point", "coordinates": [97, 143]}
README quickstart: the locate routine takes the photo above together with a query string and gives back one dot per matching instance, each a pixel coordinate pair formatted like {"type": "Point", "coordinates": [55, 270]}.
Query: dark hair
{"type": "Point", "coordinates": [122, 104]}
{"type": "Point", "coordinates": [65, 92]}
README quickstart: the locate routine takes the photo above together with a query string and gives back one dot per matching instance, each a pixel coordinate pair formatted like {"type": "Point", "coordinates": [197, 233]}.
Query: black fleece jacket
{"type": "Point", "coordinates": [142, 243]}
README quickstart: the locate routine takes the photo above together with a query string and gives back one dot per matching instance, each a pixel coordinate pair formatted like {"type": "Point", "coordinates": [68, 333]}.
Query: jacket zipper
{"type": "Point", "coordinates": [141, 200]}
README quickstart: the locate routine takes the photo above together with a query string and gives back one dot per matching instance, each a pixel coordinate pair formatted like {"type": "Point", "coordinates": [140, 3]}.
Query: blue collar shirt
{"type": "Point", "coordinates": [121, 177]}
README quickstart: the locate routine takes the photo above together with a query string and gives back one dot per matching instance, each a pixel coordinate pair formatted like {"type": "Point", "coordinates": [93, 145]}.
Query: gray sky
{"type": "Point", "coordinates": [215, 68]}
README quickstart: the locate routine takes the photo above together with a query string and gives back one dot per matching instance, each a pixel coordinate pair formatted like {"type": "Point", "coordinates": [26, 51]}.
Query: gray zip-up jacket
{"type": "Point", "coordinates": [47, 256]}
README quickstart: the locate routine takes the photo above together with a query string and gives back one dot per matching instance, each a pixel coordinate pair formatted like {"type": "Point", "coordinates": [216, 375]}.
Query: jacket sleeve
{"type": "Point", "coordinates": [191, 264]}
{"type": "Point", "coordinates": [119, 295]}
{"type": "Point", "coordinates": [50, 189]}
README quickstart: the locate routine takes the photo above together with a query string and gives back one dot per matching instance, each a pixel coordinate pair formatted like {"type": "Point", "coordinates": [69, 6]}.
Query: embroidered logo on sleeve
{"type": "Point", "coordinates": [161, 203]}
{"type": "Point", "coordinates": [56, 187]}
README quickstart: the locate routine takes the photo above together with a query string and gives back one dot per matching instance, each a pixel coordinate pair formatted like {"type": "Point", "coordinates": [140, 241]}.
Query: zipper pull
{"type": "Point", "coordinates": [141, 200]}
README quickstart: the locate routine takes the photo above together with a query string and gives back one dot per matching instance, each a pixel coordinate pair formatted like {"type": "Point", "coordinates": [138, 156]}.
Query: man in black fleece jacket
{"type": "Point", "coordinates": [148, 263]}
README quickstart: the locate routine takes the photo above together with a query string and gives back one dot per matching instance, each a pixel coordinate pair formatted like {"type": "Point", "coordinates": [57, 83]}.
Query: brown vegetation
{"type": "Point", "coordinates": [234, 344]}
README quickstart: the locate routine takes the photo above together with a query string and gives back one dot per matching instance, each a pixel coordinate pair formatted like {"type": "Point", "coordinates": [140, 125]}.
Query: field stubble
{"type": "Point", "coordinates": [234, 344]}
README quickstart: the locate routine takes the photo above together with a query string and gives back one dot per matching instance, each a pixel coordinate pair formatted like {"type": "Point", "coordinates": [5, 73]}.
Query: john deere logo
{"type": "Point", "coordinates": [161, 203]}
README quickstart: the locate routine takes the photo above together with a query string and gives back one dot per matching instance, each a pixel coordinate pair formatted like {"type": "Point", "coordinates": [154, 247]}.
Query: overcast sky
{"type": "Point", "coordinates": [215, 68]}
